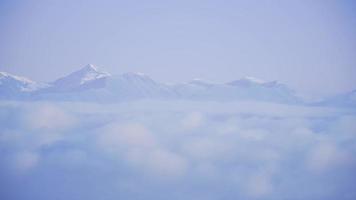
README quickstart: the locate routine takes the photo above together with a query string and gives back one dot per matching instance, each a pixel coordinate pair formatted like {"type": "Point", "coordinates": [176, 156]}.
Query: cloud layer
{"type": "Point", "coordinates": [176, 150]}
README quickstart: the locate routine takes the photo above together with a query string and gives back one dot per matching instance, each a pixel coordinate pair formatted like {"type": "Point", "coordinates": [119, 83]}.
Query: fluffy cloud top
{"type": "Point", "coordinates": [176, 150]}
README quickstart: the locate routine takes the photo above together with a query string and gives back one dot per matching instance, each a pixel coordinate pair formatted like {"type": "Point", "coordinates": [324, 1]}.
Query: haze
{"type": "Point", "coordinates": [309, 45]}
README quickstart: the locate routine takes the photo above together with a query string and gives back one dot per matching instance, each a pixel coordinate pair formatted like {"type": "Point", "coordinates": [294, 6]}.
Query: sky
{"type": "Point", "coordinates": [308, 44]}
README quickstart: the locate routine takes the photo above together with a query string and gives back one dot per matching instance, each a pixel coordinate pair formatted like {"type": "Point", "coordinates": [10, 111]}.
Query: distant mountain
{"type": "Point", "coordinates": [253, 88]}
{"type": "Point", "coordinates": [342, 100]}
{"type": "Point", "coordinates": [84, 79]}
{"type": "Point", "coordinates": [91, 84]}
{"type": "Point", "coordinates": [241, 89]}
{"type": "Point", "coordinates": [137, 85]}
{"type": "Point", "coordinates": [15, 87]}
{"type": "Point", "coordinates": [247, 82]}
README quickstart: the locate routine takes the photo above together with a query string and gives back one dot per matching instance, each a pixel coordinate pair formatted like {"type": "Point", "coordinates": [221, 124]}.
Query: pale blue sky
{"type": "Point", "coordinates": [310, 44]}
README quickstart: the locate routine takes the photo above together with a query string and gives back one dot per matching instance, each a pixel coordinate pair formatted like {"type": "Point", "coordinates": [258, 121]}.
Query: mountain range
{"type": "Point", "coordinates": [91, 84]}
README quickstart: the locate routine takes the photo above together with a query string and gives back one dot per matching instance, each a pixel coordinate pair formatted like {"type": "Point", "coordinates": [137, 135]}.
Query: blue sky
{"type": "Point", "coordinates": [310, 45]}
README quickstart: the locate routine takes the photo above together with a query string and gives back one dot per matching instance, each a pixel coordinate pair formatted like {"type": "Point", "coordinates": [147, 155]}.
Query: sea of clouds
{"type": "Point", "coordinates": [176, 150]}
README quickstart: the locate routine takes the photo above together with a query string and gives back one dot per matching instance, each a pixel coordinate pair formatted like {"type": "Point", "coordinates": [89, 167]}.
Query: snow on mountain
{"type": "Point", "coordinates": [342, 100]}
{"type": "Point", "coordinates": [242, 89]}
{"type": "Point", "coordinates": [247, 81]}
{"type": "Point", "coordinates": [195, 90]}
{"type": "Point", "coordinates": [91, 84]}
{"type": "Point", "coordinates": [137, 85]}
{"type": "Point", "coordinates": [200, 83]}
{"type": "Point", "coordinates": [12, 87]}
{"type": "Point", "coordinates": [89, 77]}
{"type": "Point", "coordinates": [253, 88]}
{"type": "Point", "coordinates": [255, 82]}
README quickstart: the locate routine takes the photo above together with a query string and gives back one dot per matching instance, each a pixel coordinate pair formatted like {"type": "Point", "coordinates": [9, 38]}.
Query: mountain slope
{"type": "Point", "coordinates": [342, 100]}
{"type": "Point", "coordinates": [86, 78]}
{"type": "Point", "coordinates": [14, 87]}
{"type": "Point", "coordinates": [90, 84]}
{"type": "Point", "coordinates": [241, 89]}
{"type": "Point", "coordinates": [137, 85]}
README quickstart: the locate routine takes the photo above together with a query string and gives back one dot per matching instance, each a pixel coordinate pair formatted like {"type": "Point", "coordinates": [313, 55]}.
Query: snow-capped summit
{"type": "Point", "coordinates": [88, 77]}
{"type": "Point", "coordinates": [200, 82]}
{"type": "Point", "coordinates": [90, 83]}
{"type": "Point", "coordinates": [5, 77]}
{"type": "Point", "coordinates": [12, 86]}
{"type": "Point", "coordinates": [86, 74]}
{"type": "Point", "coordinates": [247, 81]}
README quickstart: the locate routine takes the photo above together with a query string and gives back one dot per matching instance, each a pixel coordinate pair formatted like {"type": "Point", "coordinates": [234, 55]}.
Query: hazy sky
{"type": "Point", "coordinates": [309, 45]}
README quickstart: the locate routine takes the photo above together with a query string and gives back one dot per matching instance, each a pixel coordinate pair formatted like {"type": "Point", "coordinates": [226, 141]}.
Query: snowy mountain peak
{"type": "Point", "coordinates": [11, 85]}
{"type": "Point", "coordinates": [89, 68]}
{"type": "Point", "coordinates": [86, 74]}
{"type": "Point", "coordinates": [247, 81]}
{"type": "Point", "coordinates": [89, 83]}
{"type": "Point", "coordinates": [200, 82]}
{"type": "Point", "coordinates": [5, 75]}
{"type": "Point", "coordinates": [87, 77]}
{"type": "Point", "coordinates": [253, 80]}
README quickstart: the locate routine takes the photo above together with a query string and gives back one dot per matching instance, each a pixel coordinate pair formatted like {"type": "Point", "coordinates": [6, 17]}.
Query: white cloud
{"type": "Point", "coordinates": [48, 117]}
{"type": "Point", "coordinates": [193, 120]}
{"type": "Point", "coordinates": [206, 148]}
{"type": "Point", "coordinates": [253, 134]}
{"type": "Point", "coordinates": [139, 147]}
{"type": "Point", "coordinates": [325, 156]}
{"type": "Point", "coordinates": [166, 164]}
{"type": "Point", "coordinates": [73, 159]}
{"type": "Point", "coordinates": [231, 147]}
{"type": "Point", "coordinates": [259, 185]}
{"type": "Point", "coordinates": [25, 160]}
{"type": "Point", "coordinates": [119, 136]}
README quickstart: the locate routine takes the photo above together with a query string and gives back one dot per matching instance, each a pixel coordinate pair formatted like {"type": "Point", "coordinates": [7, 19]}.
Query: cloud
{"type": "Point", "coordinates": [241, 152]}
{"type": "Point", "coordinates": [120, 137]}
{"type": "Point", "coordinates": [325, 156]}
{"type": "Point", "coordinates": [259, 185]}
{"type": "Point", "coordinates": [206, 148]}
{"type": "Point", "coordinates": [163, 163]}
{"type": "Point", "coordinates": [136, 144]}
{"type": "Point", "coordinates": [193, 120]}
{"type": "Point", "coordinates": [48, 116]}
{"type": "Point", "coordinates": [25, 160]}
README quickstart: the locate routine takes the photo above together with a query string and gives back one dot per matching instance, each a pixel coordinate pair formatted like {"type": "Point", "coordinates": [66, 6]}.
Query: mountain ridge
{"type": "Point", "coordinates": [90, 83]}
